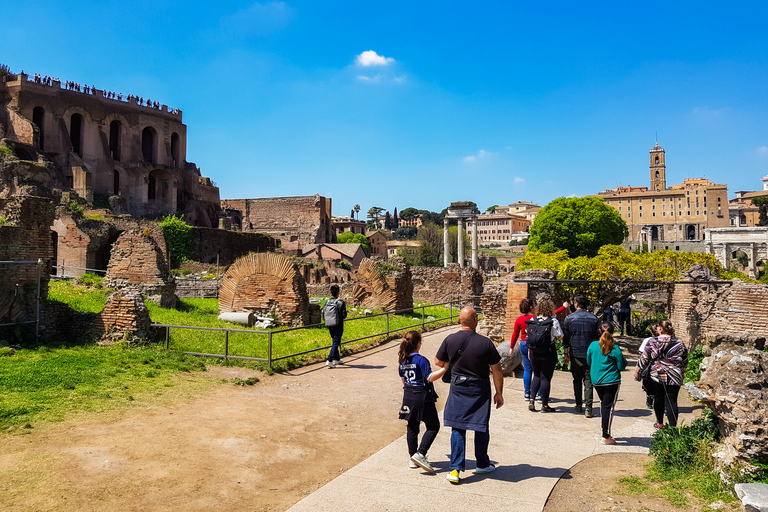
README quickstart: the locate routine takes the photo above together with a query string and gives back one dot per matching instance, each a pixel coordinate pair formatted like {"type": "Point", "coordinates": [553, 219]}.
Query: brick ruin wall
{"type": "Point", "coordinates": [139, 259]}
{"type": "Point", "coordinates": [441, 284]}
{"type": "Point", "coordinates": [208, 243]}
{"type": "Point", "coordinates": [26, 236]}
{"type": "Point", "coordinates": [709, 313]}
{"type": "Point", "coordinates": [295, 221]}
{"type": "Point", "coordinates": [124, 313]}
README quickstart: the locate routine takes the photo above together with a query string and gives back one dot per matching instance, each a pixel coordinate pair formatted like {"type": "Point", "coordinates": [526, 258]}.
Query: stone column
{"type": "Point", "coordinates": [475, 262]}
{"type": "Point", "coordinates": [461, 242]}
{"type": "Point", "coordinates": [752, 260]}
{"type": "Point", "coordinates": [446, 244]}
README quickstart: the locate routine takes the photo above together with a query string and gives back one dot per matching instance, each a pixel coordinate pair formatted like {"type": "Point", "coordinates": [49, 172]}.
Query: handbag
{"type": "Point", "coordinates": [448, 374]}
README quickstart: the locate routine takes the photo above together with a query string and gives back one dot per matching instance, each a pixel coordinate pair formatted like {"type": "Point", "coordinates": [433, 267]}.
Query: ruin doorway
{"type": "Point", "coordinates": [148, 142]}
{"type": "Point", "coordinates": [103, 253]}
{"type": "Point", "coordinates": [116, 183]}
{"type": "Point", "coordinates": [38, 118]}
{"type": "Point", "coordinates": [654, 233]}
{"type": "Point", "coordinates": [151, 187]}
{"type": "Point", "coordinates": [690, 230]}
{"type": "Point", "coordinates": [76, 133]}
{"type": "Point", "coordinates": [175, 149]}
{"type": "Point", "coordinates": [55, 245]}
{"type": "Point", "coordinates": [115, 129]}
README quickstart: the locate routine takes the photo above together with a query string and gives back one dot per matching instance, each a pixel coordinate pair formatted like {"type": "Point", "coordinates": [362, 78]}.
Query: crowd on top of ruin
{"type": "Point", "coordinates": [86, 89]}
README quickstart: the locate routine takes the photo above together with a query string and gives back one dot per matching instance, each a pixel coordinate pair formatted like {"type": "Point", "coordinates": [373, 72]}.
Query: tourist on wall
{"type": "Point", "coordinates": [664, 359]}
{"type": "Point", "coordinates": [419, 399]}
{"type": "Point", "coordinates": [606, 362]}
{"type": "Point", "coordinates": [541, 335]}
{"type": "Point", "coordinates": [334, 313]}
{"type": "Point", "coordinates": [471, 358]}
{"type": "Point", "coordinates": [580, 329]}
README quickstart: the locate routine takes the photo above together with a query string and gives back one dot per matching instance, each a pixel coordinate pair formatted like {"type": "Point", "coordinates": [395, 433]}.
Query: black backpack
{"type": "Point", "coordinates": [538, 334]}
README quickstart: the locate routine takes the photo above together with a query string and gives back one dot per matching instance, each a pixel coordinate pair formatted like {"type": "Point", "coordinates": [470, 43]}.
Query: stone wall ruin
{"type": "Point", "coordinates": [383, 285]}
{"type": "Point", "coordinates": [441, 284]}
{"type": "Point", "coordinates": [267, 284]}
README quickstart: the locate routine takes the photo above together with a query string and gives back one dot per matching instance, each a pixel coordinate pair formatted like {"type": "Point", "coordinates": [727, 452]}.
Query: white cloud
{"type": "Point", "coordinates": [258, 19]}
{"type": "Point", "coordinates": [370, 79]}
{"type": "Point", "coordinates": [371, 58]}
{"type": "Point", "coordinates": [399, 79]}
{"type": "Point", "coordinates": [763, 150]}
{"type": "Point", "coordinates": [479, 156]}
{"type": "Point", "coordinates": [518, 179]}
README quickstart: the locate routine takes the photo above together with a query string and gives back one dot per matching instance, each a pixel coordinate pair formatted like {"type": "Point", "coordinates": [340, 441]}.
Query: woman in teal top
{"type": "Point", "coordinates": [606, 362]}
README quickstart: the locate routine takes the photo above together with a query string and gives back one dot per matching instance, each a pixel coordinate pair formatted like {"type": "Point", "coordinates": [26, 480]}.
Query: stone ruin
{"type": "Point", "coordinates": [441, 284]}
{"type": "Point", "coordinates": [729, 320]}
{"type": "Point", "coordinates": [267, 284]}
{"type": "Point", "coordinates": [383, 284]}
{"type": "Point", "coordinates": [124, 317]}
{"type": "Point", "coordinates": [140, 259]}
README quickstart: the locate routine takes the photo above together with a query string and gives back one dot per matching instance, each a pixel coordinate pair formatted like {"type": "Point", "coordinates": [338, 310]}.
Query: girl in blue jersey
{"type": "Point", "coordinates": [419, 399]}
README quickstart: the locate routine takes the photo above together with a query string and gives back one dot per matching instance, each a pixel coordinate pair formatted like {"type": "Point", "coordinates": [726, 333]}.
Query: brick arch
{"type": "Point", "coordinates": [267, 284]}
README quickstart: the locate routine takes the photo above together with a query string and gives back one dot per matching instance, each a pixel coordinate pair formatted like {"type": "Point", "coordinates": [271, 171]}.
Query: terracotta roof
{"type": "Point", "coordinates": [345, 249]}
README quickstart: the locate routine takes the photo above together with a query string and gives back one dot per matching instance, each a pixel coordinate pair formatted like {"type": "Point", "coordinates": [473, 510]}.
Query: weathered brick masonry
{"type": "Point", "coordinates": [392, 291]}
{"type": "Point", "coordinates": [123, 313]}
{"type": "Point", "coordinates": [295, 221]}
{"type": "Point", "coordinates": [208, 243]}
{"type": "Point", "coordinates": [441, 284]}
{"type": "Point", "coordinates": [706, 313]}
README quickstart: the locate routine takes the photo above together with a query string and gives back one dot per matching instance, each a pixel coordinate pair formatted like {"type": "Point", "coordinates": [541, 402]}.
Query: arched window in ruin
{"type": "Point", "coordinates": [116, 183]}
{"type": "Point", "coordinates": [691, 232]}
{"type": "Point", "coordinates": [148, 144]}
{"type": "Point", "coordinates": [76, 133]}
{"type": "Point", "coordinates": [38, 117]}
{"type": "Point", "coordinates": [115, 130]}
{"type": "Point", "coordinates": [151, 188]}
{"type": "Point", "coordinates": [175, 149]}
{"type": "Point", "coordinates": [654, 233]}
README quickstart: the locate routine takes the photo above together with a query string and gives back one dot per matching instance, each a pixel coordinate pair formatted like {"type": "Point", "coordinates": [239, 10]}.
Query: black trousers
{"type": "Point", "coordinates": [431, 421]}
{"type": "Point", "coordinates": [664, 400]}
{"type": "Point", "coordinates": [543, 369]}
{"type": "Point", "coordinates": [608, 394]}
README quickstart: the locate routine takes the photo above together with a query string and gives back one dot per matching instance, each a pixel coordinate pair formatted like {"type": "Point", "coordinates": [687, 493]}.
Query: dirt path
{"type": "Point", "coordinates": [260, 447]}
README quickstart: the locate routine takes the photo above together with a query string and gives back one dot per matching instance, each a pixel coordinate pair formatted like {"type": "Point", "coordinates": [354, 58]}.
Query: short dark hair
{"type": "Point", "coordinates": [335, 290]}
{"type": "Point", "coordinates": [581, 301]}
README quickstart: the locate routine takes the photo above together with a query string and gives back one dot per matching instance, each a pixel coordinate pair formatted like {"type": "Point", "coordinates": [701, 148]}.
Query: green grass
{"type": "Point", "coordinates": [203, 313]}
{"type": "Point", "coordinates": [84, 299]}
{"type": "Point", "coordinates": [48, 384]}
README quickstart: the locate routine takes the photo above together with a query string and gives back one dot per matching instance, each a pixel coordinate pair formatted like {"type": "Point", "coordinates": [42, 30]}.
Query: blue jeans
{"type": "Point", "coordinates": [336, 333]}
{"type": "Point", "coordinates": [458, 449]}
{"type": "Point", "coordinates": [527, 368]}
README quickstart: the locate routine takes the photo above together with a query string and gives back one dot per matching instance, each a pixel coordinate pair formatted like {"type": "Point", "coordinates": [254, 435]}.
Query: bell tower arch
{"type": "Point", "coordinates": [658, 168]}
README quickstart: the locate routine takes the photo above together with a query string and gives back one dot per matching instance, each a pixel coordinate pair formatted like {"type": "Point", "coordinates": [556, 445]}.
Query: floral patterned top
{"type": "Point", "coordinates": [668, 357]}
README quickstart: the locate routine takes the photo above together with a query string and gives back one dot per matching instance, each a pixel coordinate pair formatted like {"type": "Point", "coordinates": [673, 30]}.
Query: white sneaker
{"type": "Point", "coordinates": [481, 471]}
{"type": "Point", "coordinates": [330, 364]}
{"type": "Point", "coordinates": [412, 464]}
{"type": "Point", "coordinates": [340, 361]}
{"type": "Point", "coordinates": [422, 461]}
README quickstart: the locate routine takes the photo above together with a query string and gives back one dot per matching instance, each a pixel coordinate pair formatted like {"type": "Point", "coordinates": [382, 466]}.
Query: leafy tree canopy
{"type": "Point", "coordinates": [405, 233]}
{"type": "Point", "coordinates": [408, 213]}
{"type": "Point", "coordinates": [578, 225]}
{"type": "Point", "coordinates": [762, 205]}
{"type": "Point", "coordinates": [354, 238]}
{"type": "Point", "coordinates": [613, 263]}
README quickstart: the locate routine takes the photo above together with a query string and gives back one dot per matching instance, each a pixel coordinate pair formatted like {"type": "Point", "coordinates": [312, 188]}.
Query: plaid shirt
{"type": "Point", "coordinates": [669, 358]}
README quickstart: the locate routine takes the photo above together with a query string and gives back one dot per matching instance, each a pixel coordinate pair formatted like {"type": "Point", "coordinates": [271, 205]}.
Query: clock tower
{"type": "Point", "coordinates": [658, 168]}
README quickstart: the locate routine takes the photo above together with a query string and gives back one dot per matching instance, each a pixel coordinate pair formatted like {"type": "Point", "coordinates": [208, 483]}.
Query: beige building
{"type": "Point", "coordinates": [741, 212]}
{"type": "Point", "coordinates": [410, 247]}
{"type": "Point", "coordinates": [378, 243]}
{"type": "Point", "coordinates": [414, 221]}
{"type": "Point", "coordinates": [348, 225]}
{"type": "Point", "coordinates": [499, 228]}
{"type": "Point", "coordinates": [669, 214]}
{"type": "Point", "coordinates": [523, 208]}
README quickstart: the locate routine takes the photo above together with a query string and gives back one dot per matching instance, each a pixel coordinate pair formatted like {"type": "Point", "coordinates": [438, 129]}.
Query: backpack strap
{"type": "Point", "coordinates": [460, 352]}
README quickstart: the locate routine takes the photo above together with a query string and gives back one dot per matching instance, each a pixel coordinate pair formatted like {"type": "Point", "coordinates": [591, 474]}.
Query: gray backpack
{"type": "Point", "coordinates": [331, 313]}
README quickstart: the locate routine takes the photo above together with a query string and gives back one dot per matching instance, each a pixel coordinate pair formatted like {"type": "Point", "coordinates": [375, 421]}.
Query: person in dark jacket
{"type": "Point", "coordinates": [580, 329]}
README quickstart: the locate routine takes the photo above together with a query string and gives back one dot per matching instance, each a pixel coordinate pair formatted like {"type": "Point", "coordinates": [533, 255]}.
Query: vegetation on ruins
{"type": "Point", "coordinates": [75, 209]}
{"type": "Point", "coordinates": [762, 205]}
{"type": "Point", "coordinates": [405, 233]}
{"type": "Point", "coordinates": [616, 272]}
{"type": "Point", "coordinates": [355, 238]}
{"type": "Point", "coordinates": [5, 70]}
{"type": "Point", "coordinates": [578, 225]}
{"type": "Point", "coordinates": [178, 236]}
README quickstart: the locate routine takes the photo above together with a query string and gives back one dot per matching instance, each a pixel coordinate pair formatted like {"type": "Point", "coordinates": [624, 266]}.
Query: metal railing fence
{"type": "Point", "coordinates": [36, 321]}
{"type": "Point", "coordinates": [454, 305]}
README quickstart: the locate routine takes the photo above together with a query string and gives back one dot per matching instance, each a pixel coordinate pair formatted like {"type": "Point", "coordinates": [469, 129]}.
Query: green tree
{"type": "Point", "coordinates": [357, 211]}
{"type": "Point", "coordinates": [616, 272]}
{"type": "Point", "coordinates": [373, 214]}
{"type": "Point", "coordinates": [492, 209]}
{"type": "Point", "coordinates": [405, 233]}
{"type": "Point", "coordinates": [453, 243]}
{"type": "Point", "coordinates": [349, 237]}
{"type": "Point", "coordinates": [431, 237]}
{"type": "Point", "coordinates": [762, 205]}
{"type": "Point", "coordinates": [395, 220]}
{"type": "Point", "coordinates": [409, 213]}
{"type": "Point", "coordinates": [388, 221]}
{"type": "Point", "coordinates": [579, 225]}
{"type": "Point", "coordinates": [178, 236]}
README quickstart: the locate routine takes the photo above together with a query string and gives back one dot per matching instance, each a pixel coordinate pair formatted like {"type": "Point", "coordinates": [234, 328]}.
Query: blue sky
{"type": "Point", "coordinates": [399, 104]}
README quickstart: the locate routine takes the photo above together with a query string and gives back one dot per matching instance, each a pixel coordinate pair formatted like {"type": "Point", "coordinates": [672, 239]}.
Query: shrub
{"type": "Point", "coordinates": [687, 448]}
{"type": "Point", "coordinates": [693, 370]}
{"type": "Point", "coordinates": [75, 209]}
{"type": "Point", "coordinates": [92, 280]}
{"type": "Point", "coordinates": [178, 236]}
{"type": "Point", "coordinates": [345, 265]}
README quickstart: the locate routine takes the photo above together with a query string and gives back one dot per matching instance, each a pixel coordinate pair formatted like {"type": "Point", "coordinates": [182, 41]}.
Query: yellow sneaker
{"type": "Point", "coordinates": [453, 476]}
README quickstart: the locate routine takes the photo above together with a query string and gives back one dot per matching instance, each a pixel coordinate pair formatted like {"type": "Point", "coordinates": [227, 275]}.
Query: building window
{"type": "Point", "coordinates": [619, 208]}
{"type": "Point", "coordinates": [639, 200]}
{"type": "Point", "coordinates": [663, 214]}
{"type": "Point", "coordinates": [653, 200]}
{"type": "Point", "coordinates": [653, 207]}
{"type": "Point", "coordinates": [689, 212]}
{"type": "Point", "coordinates": [653, 214]}
{"type": "Point", "coordinates": [663, 199]}
{"type": "Point", "coordinates": [641, 214]}
{"type": "Point", "coordinates": [629, 214]}
{"type": "Point", "coordinates": [640, 208]}
{"type": "Point", "coordinates": [672, 214]}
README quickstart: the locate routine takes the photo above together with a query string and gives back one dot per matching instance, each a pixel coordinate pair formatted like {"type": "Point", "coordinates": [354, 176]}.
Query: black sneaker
{"type": "Point", "coordinates": [589, 414]}
{"type": "Point", "coordinates": [546, 408]}
{"type": "Point", "coordinates": [532, 406]}
{"type": "Point", "coordinates": [578, 409]}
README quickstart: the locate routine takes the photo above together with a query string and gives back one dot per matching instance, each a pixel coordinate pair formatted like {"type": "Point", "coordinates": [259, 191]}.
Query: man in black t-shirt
{"type": "Point", "coordinates": [472, 359]}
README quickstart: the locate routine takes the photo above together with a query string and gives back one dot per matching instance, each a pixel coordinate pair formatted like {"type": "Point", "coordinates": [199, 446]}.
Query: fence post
{"type": "Point", "coordinates": [269, 351]}
{"type": "Point", "coordinates": [39, 298]}
{"type": "Point", "coordinates": [167, 337]}
{"type": "Point", "coordinates": [422, 317]}
{"type": "Point", "coordinates": [387, 323]}
{"type": "Point", "coordinates": [226, 345]}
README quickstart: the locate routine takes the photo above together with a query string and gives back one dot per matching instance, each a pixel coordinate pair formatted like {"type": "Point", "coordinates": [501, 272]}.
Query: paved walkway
{"type": "Point", "coordinates": [531, 450]}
